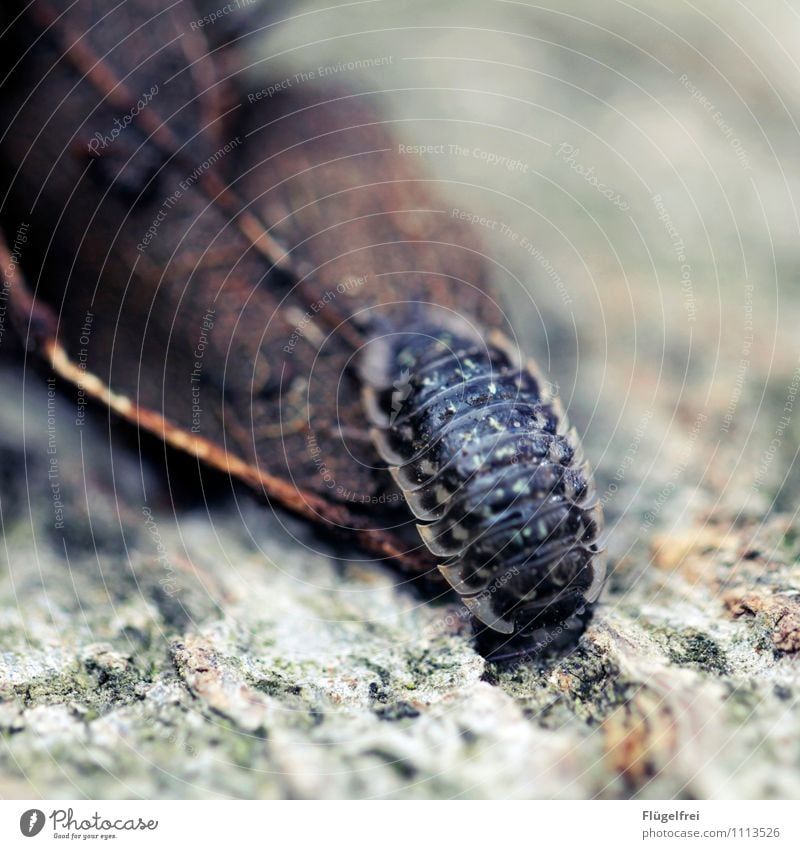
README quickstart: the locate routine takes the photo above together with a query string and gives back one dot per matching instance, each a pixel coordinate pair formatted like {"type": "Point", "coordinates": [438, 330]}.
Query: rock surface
{"type": "Point", "coordinates": [165, 642]}
{"type": "Point", "coordinates": [216, 653]}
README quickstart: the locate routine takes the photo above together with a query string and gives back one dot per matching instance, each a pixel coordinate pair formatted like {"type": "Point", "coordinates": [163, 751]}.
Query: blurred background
{"type": "Point", "coordinates": [635, 168]}
{"type": "Point", "coordinates": [638, 163]}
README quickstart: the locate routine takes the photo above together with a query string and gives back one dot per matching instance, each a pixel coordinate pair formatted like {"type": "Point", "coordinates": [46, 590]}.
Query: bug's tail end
{"type": "Point", "coordinates": [538, 640]}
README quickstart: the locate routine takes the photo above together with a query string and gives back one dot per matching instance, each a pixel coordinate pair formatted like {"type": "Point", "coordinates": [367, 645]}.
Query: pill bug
{"type": "Point", "coordinates": [288, 265]}
{"type": "Point", "coordinates": [486, 461]}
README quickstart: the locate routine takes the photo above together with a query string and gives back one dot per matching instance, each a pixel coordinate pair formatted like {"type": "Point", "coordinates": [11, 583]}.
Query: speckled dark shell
{"type": "Point", "coordinates": [487, 463]}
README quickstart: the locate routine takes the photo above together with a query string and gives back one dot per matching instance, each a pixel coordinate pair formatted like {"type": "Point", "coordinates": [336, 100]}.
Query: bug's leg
{"type": "Point", "coordinates": [505, 657]}
{"type": "Point", "coordinates": [498, 648]}
{"type": "Point", "coordinates": [540, 640]}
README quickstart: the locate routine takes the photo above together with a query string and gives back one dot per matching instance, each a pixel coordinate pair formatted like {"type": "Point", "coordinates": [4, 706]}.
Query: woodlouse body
{"type": "Point", "coordinates": [267, 283]}
{"type": "Point", "coordinates": [487, 463]}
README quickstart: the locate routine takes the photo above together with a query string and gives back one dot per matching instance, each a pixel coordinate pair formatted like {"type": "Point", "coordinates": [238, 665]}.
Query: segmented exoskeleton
{"type": "Point", "coordinates": [483, 453]}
